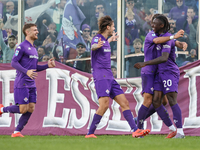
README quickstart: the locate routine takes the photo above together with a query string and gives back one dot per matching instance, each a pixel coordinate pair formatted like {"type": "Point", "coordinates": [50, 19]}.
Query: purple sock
{"type": "Point", "coordinates": [95, 122]}
{"type": "Point", "coordinates": [23, 121]}
{"type": "Point", "coordinates": [11, 109]}
{"type": "Point", "coordinates": [129, 117]}
{"type": "Point", "coordinates": [141, 116]}
{"type": "Point", "coordinates": [150, 112]}
{"type": "Point", "coordinates": [177, 116]}
{"type": "Point", "coordinates": [162, 112]}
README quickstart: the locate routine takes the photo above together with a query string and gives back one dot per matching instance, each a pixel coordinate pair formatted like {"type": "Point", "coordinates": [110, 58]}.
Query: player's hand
{"type": "Point", "coordinates": [51, 63]}
{"type": "Point", "coordinates": [114, 37]}
{"type": "Point", "coordinates": [185, 45]}
{"type": "Point", "coordinates": [32, 74]}
{"type": "Point", "coordinates": [139, 65]}
{"type": "Point", "coordinates": [179, 34]}
{"type": "Point", "coordinates": [100, 43]}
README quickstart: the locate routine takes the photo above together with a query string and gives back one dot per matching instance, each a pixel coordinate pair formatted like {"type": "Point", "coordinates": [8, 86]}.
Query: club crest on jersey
{"type": "Point", "coordinates": [25, 99]}
{"type": "Point", "coordinates": [152, 89]}
{"type": "Point", "coordinates": [16, 53]}
{"type": "Point", "coordinates": [107, 91]}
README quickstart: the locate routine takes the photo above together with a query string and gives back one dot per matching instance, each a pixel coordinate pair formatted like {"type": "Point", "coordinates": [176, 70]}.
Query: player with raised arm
{"type": "Point", "coordinates": [25, 62]}
{"type": "Point", "coordinates": [105, 84]}
{"type": "Point", "coordinates": [167, 74]}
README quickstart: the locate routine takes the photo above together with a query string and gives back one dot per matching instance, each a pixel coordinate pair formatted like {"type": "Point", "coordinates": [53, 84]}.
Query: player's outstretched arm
{"type": "Point", "coordinates": [97, 45]}
{"type": "Point", "coordinates": [160, 40]}
{"type": "Point", "coordinates": [155, 61]}
{"type": "Point", "coordinates": [51, 63]}
{"type": "Point", "coordinates": [181, 45]}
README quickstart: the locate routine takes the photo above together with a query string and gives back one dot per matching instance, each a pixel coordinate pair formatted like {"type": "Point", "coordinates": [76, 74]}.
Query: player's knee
{"type": "Point", "coordinates": [147, 102]}
{"type": "Point", "coordinates": [23, 111]}
{"type": "Point", "coordinates": [125, 105]}
{"type": "Point", "coordinates": [31, 109]}
{"type": "Point", "coordinates": [156, 102]}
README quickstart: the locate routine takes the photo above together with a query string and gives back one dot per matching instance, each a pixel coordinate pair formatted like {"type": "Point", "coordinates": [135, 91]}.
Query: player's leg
{"type": "Point", "coordinates": [118, 95]}
{"type": "Point", "coordinates": [147, 90]}
{"type": "Point", "coordinates": [27, 110]}
{"type": "Point", "coordinates": [177, 115]}
{"type": "Point", "coordinates": [103, 91]}
{"type": "Point", "coordinates": [162, 112]}
{"type": "Point", "coordinates": [103, 106]}
{"type": "Point", "coordinates": [152, 110]}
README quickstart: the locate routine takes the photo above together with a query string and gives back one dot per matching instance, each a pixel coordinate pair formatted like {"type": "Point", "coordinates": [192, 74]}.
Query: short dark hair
{"type": "Point", "coordinates": [81, 45]}
{"type": "Point", "coordinates": [113, 67]}
{"type": "Point", "coordinates": [27, 26]}
{"type": "Point", "coordinates": [12, 36]}
{"type": "Point", "coordinates": [104, 22]}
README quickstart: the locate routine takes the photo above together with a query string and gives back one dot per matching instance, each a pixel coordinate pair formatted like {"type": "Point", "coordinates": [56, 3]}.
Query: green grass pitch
{"type": "Point", "coordinates": [103, 142]}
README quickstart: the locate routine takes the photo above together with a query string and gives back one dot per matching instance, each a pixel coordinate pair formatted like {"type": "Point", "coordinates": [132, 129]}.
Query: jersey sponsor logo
{"type": "Point", "coordinates": [16, 53]}
{"type": "Point", "coordinates": [107, 91]}
{"type": "Point", "coordinates": [166, 46]}
{"type": "Point", "coordinates": [33, 56]}
{"type": "Point", "coordinates": [107, 50]}
{"type": "Point", "coordinates": [25, 99]}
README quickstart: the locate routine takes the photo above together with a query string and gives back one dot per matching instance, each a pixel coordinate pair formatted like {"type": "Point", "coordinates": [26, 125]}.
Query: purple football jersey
{"type": "Point", "coordinates": [100, 59]}
{"type": "Point", "coordinates": [26, 57]}
{"type": "Point", "coordinates": [170, 64]}
{"type": "Point", "coordinates": [150, 53]}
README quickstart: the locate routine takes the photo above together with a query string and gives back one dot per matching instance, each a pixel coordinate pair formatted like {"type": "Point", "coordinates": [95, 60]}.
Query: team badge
{"type": "Point", "coordinates": [107, 91]}
{"type": "Point", "coordinates": [16, 53]}
{"type": "Point", "coordinates": [96, 39]}
{"type": "Point", "coordinates": [25, 99]}
{"type": "Point", "coordinates": [153, 34]}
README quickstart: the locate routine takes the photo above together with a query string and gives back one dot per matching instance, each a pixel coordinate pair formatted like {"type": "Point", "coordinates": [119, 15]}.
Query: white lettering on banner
{"type": "Point", "coordinates": [156, 124]}
{"type": "Point", "coordinates": [53, 75]}
{"type": "Point", "coordinates": [81, 100]}
{"type": "Point", "coordinates": [6, 77]}
{"type": "Point", "coordinates": [192, 121]}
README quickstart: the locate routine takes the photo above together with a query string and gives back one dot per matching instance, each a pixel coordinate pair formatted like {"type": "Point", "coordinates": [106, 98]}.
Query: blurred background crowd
{"type": "Point", "coordinates": [182, 14]}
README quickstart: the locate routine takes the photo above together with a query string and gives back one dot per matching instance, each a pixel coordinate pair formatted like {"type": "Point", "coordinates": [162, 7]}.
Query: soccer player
{"type": "Point", "coordinates": [105, 84]}
{"type": "Point", "coordinates": [25, 62]}
{"type": "Point", "coordinates": [167, 77]}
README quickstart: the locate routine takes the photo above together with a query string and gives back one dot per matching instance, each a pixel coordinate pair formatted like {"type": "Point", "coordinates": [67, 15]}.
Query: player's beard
{"type": "Point", "coordinates": [34, 38]}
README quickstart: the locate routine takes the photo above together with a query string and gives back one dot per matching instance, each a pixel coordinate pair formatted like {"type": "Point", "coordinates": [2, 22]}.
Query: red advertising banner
{"type": "Point", "coordinates": [67, 101]}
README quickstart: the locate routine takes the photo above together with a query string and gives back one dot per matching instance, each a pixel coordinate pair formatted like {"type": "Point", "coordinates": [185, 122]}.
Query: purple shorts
{"type": "Point", "coordinates": [108, 88]}
{"type": "Point", "coordinates": [166, 82]}
{"type": "Point", "coordinates": [25, 95]}
{"type": "Point", "coordinates": [147, 83]}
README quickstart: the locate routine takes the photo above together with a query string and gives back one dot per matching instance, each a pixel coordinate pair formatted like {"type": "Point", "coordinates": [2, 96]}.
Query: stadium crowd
{"type": "Point", "coordinates": [182, 14]}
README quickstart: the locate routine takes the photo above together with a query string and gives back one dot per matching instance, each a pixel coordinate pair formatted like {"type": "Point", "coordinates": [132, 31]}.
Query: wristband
{"type": "Point", "coordinates": [171, 37]}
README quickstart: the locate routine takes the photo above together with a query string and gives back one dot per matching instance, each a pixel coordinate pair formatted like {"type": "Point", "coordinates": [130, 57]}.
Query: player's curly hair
{"type": "Point", "coordinates": [103, 23]}
{"type": "Point", "coordinates": [164, 21]}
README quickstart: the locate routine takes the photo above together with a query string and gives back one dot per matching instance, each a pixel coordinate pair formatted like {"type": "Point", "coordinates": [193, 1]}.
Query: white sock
{"type": "Point", "coordinates": [2, 109]}
{"type": "Point", "coordinates": [180, 130]}
{"type": "Point", "coordinates": [16, 132]}
{"type": "Point", "coordinates": [172, 127]}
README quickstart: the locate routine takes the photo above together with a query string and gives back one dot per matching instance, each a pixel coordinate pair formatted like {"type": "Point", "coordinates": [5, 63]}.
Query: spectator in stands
{"type": "Point", "coordinates": [45, 58]}
{"type": "Point", "coordinates": [8, 51]}
{"type": "Point", "coordinates": [81, 53]}
{"type": "Point", "coordinates": [179, 11]}
{"type": "Point", "coordinates": [29, 4]}
{"type": "Point", "coordinates": [133, 72]}
{"type": "Point", "coordinates": [49, 43]}
{"type": "Point", "coordinates": [114, 71]}
{"type": "Point", "coordinates": [86, 35]}
{"type": "Point", "coordinates": [193, 56]}
{"type": "Point", "coordinates": [189, 25]}
{"type": "Point", "coordinates": [100, 11]}
{"type": "Point", "coordinates": [131, 29]}
{"type": "Point", "coordinates": [41, 53]}
{"type": "Point", "coordinates": [94, 31]}
{"type": "Point", "coordinates": [9, 10]}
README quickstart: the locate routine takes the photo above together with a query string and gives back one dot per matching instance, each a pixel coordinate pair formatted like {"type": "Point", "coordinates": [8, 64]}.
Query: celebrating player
{"type": "Point", "coordinates": [167, 74]}
{"type": "Point", "coordinates": [105, 84]}
{"type": "Point", "coordinates": [25, 62]}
